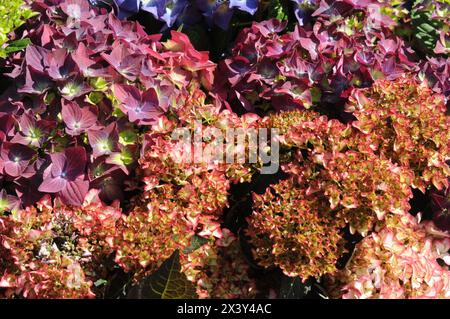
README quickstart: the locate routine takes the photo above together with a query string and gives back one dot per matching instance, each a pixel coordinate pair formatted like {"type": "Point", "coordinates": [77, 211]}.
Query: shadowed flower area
{"type": "Point", "coordinates": [178, 12]}
{"type": "Point", "coordinates": [441, 206]}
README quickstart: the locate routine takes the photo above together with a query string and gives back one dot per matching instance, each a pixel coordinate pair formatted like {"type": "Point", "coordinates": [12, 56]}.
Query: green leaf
{"type": "Point", "coordinates": [126, 156]}
{"type": "Point", "coordinates": [316, 95]}
{"type": "Point", "coordinates": [277, 10]}
{"type": "Point", "coordinates": [17, 45]}
{"type": "Point", "coordinates": [99, 83]}
{"type": "Point", "coordinates": [49, 98]}
{"type": "Point", "coordinates": [94, 98]}
{"type": "Point", "coordinates": [100, 282]}
{"type": "Point", "coordinates": [27, 14]}
{"type": "Point", "coordinates": [196, 243]}
{"type": "Point", "coordinates": [128, 137]}
{"type": "Point", "coordinates": [165, 283]}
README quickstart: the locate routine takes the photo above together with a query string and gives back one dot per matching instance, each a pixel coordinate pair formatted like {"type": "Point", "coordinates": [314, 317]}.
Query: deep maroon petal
{"type": "Point", "coordinates": [77, 119]}
{"type": "Point", "coordinates": [88, 119]}
{"type": "Point", "coordinates": [74, 192]}
{"type": "Point", "coordinates": [37, 57]}
{"type": "Point", "coordinates": [76, 160]}
{"type": "Point", "coordinates": [81, 58]}
{"type": "Point", "coordinates": [17, 152]}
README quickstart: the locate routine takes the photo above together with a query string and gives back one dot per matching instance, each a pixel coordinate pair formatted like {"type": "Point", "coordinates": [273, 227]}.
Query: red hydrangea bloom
{"type": "Point", "coordinates": [148, 236]}
{"type": "Point", "coordinates": [359, 186]}
{"type": "Point", "coordinates": [218, 269]}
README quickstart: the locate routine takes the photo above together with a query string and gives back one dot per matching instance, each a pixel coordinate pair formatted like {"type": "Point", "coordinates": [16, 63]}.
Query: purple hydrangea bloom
{"type": "Point", "coordinates": [141, 107]}
{"type": "Point", "coordinates": [175, 12]}
{"type": "Point", "coordinates": [61, 65]}
{"type": "Point", "coordinates": [66, 175]}
{"type": "Point", "coordinates": [124, 61]}
{"type": "Point", "coordinates": [15, 158]}
{"type": "Point", "coordinates": [6, 125]}
{"type": "Point", "coordinates": [126, 8]}
{"type": "Point", "coordinates": [32, 132]}
{"type": "Point", "coordinates": [165, 10]}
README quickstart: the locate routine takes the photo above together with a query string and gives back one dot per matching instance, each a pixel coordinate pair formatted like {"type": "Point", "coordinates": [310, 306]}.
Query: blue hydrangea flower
{"type": "Point", "coordinates": [303, 10]}
{"type": "Point", "coordinates": [175, 12]}
{"type": "Point", "coordinates": [250, 6]}
{"type": "Point", "coordinates": [126, 8]}
{"type": "Point", "coordinates": [216, 12]}
{"type": "Point", "coordinates": [165, 10]}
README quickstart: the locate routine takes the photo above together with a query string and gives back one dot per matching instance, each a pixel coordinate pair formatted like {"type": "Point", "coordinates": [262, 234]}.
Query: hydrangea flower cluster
{"type": "Point", "coordinates": [269, 69]}
{"type": "Point", "coordinates": [339, 176]}
{"type": "Point", "coordinates": [129, 158]}
{"type": "Point", "coordinates": [398, 261]}
{"type": "Point", "coordinates": [218, 269]}
{"type": "Point", "coordinates": [289, 230]}
{"type": "Point", "coordinates": [217, 12]}
{"type": "Point", "coordinates": [348, 45]}
{"type": "Point", "coordinates": [87, 88]}
{"type": "Point", "coordinates": [406, 123]}
{"type": "Point", "coordinates": [56, 251]}
{"type": "Point", "coordinates": [183, 200]}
